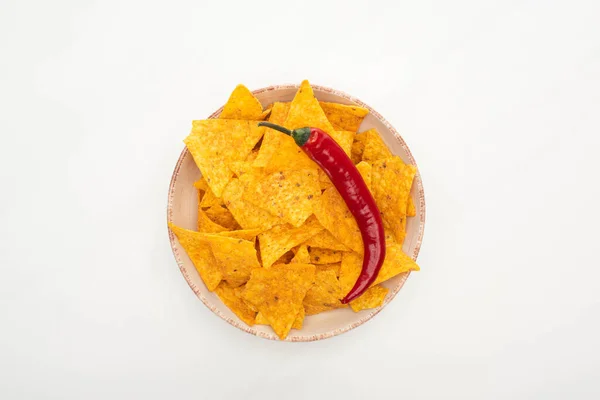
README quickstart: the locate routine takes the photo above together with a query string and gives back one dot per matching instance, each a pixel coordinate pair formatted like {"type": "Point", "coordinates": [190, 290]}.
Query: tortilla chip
{"type": "Point", "coordinates": [246, 234]}
{"type": "Point", "coordinates": [396, 262]}
{"type": "Point", "coordinates": [335, 216]}
{"type": "Point", "coordinates": [209, 199]}
{"type": "Point", "coordinates": [305, 111]}
{"type": "Point", "coordinates": [223, 217]}
{"type": "Point", "coordinates": [206, 225]}
{"type": "Point", "coordinates": [279, 113]}
{"type": "Point", "coordinates": [302, 256]}
{"type": "Point", "coordinates": [324, 181]}
{"type": "Point", "coordinates": [347, 117]}
{"type": "Point", "coordinates": [278, 292]}
{"type": "Point", "coordinates": [260, 320]}
{"type": "Point", "coordinates": [344, 139]}
{"type": "Point", "coordinates": [242, 105]}
{"type": "Point", "coordinates": [229, 297]}
{"type": "Point", "coordinates": [237, 257]}
{"type": "Point", "coordinates": [201, 184]}
{"type": "Point", "coordinates": [247, 215]}
{"type": "Point", "coordinates": [330, 267]}
{"type": "Point", "coordinates": [411, 210]}
{"type": "Point", "coordinates": [279, 151]}
{"type": "Point", "coordinates": [375, 148]}
{"type": "Point", "coordinates": [391, 181]}
{"type": "Point", "coordinates": [325, 240]}
{"type": "Point", "coordinates": [201, 256]}
{"type": "Point", "coordinates": [216, 143]}
{"type": "Point", "coordinates": [324, 256]}
{"type": "Point", "coordinates": [289, 194]}
{"type": "Point", "coordinates": [286, 258]}
{"type": "Point", "coordinates": [324, 295]}
{"type": "Point", "coordinates": [372, 298]}
{"type": "Point", "coordinates": [358, 147]}
{"type": "Point", "coordinates": [280, 239]}
{"type": "Point", "coordinates": [365, 170]}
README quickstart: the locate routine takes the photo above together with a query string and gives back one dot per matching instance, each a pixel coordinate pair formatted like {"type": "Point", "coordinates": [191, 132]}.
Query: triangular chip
{"type": "Point", "coordinates": [237, 257]}
{"type": "Point", "coordinates": [375, 148]}
{"type": "Point", "coordinates": [246, 234]}
{"type": "Point", "coordinates": [242, 105]}
{"type": "Point", "coordinates": [201, 184]}
{"type": "Point", "coordinates": [325, 240]}
{"type": "Point", "coordinates": [302, 256]}
{"type": "Point", "coordinates": [365, 170]}
{"type": "Point", "coordinates": [206, 225]}
{"type": "Point", "coordinates": [280, 239]}
{"type": "Point", "coordinates": [358, 147]}
{"type": "Point", "coordinates": [201, 256]}
{"type": "Point", "coordinates": [324, 256]}
{"type": "Point", "coordinates": [279, 113]}
{"type": "Point", "coordinates": [279, 151]}
{"type": "Point", "coordinates": [373, 297]}
{"type": "Point", "coordinates": [346, 117]}
{"type": "Point", "coordinates": [221, 215]}
{"type": "Point", "coordinates": [324, 181]}
{"type": "Point", "coordinates": [411, 210]}
{"type": "Point", "coordinates": [229, 296]}
{"type": "Point", "coordinates": [209, 199]}
{"type": "Point", "coordinates": [216, 143]}
{"type": "Point", "coordinates": [330, 267]}
{"type": "Point", "coordinates": [391, 182]}
{"type": "Point", "coordinates": [396, 262]}
{"type": "Point", "coordinates": [247, 215]}
{"type": "Point", "coordinates": [335, 216]}
{"type": "Point", "coordinates": [278, 292]}
{"type": "Point", "coordinates": [260, 320]}
{"type": "Point", "coordinates": [290, 194]}
{"type": "Point", "coordinates": [324, 295]}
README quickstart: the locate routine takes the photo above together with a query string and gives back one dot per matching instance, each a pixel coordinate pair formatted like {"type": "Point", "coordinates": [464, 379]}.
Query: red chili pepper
{"type": "Point", "coordinates": [323, 150]}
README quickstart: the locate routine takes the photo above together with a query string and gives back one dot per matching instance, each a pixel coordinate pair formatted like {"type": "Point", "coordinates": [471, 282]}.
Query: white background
{"type": "Point", "coordinates": [499, 102]}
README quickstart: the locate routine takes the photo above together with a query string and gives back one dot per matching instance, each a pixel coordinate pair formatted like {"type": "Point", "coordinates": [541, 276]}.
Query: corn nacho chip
{"type": "Point", "coordinates": [325, 240]}
{"type": "Point", "coordinates": [301, 256]}
{"type": "Point", "coordinates": [278, 292]}
{"type": "Point", "coordinates": [260, 320]}
{"type": "Point", "coordinates": [324, 295]}
{"type": "Point", "coordinates": [247, 215]}
{"type": "Point", "coordinates": [358, 147]}
{"type": "Point", "coordinates": [324, 256]}
{"type": "Point", "coordinates": [236, 257]}
{"type": "Point", "coordinates": [306, 111]}
{"type": "Point", "coordinates": [396, 262]}
{"type": "Point", "coordinates": [330, 267]}
{"type": "Point", "coordinates": [209, 199]}
{"type": "Point", "coordinates": [242, 105]}
{"type": "Point", "coordinates": [375, 148]}
{"type": "Point", "coordinates": [372, 298]}
{"type": "Point", "coordinates": [324, 181]}
{"type": "Point", "coordinates": [391, 181]}
{"type": "Point", "coordinates": [411, 210]}
{"type": "Point", "coordinates": [347, 117]}
{"type": "Point", "coordinates": [335, 216]}
{"type": "Point", "coordinates": [206, 225]}
{"type": "Point", "coordinates": [365, 170]}
{"type": "Point", "coordinates": [279, 151]}
{"type": "Point", "coordinates": [286, 258]}
{"type": "Point", "coordinates": [201, 184]}
{"type": "Point", "coordinates": [289, 195]}
{"type": "Point", "coordinates": [246, 234]}
{"type": "Point", "coordinates": [201, 256]}
{"type": "Point", "coordinates": [279, 113]}
{"type": "Point", "coordinates": [221, 216]}
{"type": "Point", "coordinates": [215, 143]}
{"type": "Point", "coordinates": [230, 298]}
{"type": "Point", "coordinates": [280, 239]}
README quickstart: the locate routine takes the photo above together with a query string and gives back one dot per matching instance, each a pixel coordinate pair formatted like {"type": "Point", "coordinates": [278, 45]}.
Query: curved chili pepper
{"type": "Point", "coordinates": [323, 150]}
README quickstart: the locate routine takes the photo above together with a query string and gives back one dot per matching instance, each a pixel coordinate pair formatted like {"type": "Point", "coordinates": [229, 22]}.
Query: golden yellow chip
{"type": "Point", "coordinates": [279, 151]}
{"type": "Point", "coordinates": [260, 320]}
{"type": "Point", "coordinates": [246, 234]}
{"type": "Point", "coordinates": [242, 105]}
{"type": "Point", "coordinates": [396, 262]}
{"type": "Point", "coordinates": [286, 258]}
{"type": "Point", "coordinates": [201, 256]}
{"type": "Point", "coordinates": [324, 295]}
{"type": "Point", "coordinates": [358, 147]}
{"type": "Point", "coordinates": [209, 199]}
{"type": "Point", "coordinates": [279, 113]}
{"type": "Point", "coordinates": [411, 210]}
{"type": "Point", "coordinates": [302, 256]}
{"type": "Point", "coordinates": [206, 225]}
{"type": "Point", "coordinates": [290, 194]}
{"type": "Point", "coordinates": [365, 170]}
{"type": "Point", "coordinates": [278, 292]}
{"type": "Point", "coordinates": [325, 240]}
{"type": "Point", "coordinates": [372, 298]}
{"type": "Point", "coordinates": [247, 215]}
{"type": "Point", "coordinates": [324, 256]}
{"type": "Point", "coordinates": [324, 181]}
{"type": "Point", "coordinates": [391, 182]}
{"type": "Point", "coordinates": [346, 117]}
{"type": "Point", "coordinates": [344, 139]}
{"type": "Point", "coordinates": [333, 267]}
{"type": "Point", "coordinates": [237, 257]}
{"type": "Point", "coordinates": [201, 184]}
{"type": "Point", "coordinates": [280, 239]}
{"type": "Point", "coordinates": [229, 296]}
{"type": "Point", "coordinates": [222, 216]}
{"type": "Point", "coordinates": [216, 143]}
{"type": "Point", "coordinates": [334, 215]}
{"type": "Point", "coordinates": [375, 148]}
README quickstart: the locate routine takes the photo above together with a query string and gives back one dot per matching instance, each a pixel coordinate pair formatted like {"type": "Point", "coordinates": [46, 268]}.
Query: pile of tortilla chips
{"type": "Point", "coordinates": [274, 240]}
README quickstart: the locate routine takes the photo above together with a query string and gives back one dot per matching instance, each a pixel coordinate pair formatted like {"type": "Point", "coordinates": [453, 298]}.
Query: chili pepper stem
{"type": "Point", "coordinates": [276, 127]}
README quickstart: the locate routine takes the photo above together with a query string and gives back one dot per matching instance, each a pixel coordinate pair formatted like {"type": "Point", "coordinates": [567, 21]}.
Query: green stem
{"type": "Point", "coordinates": [276, 127]}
